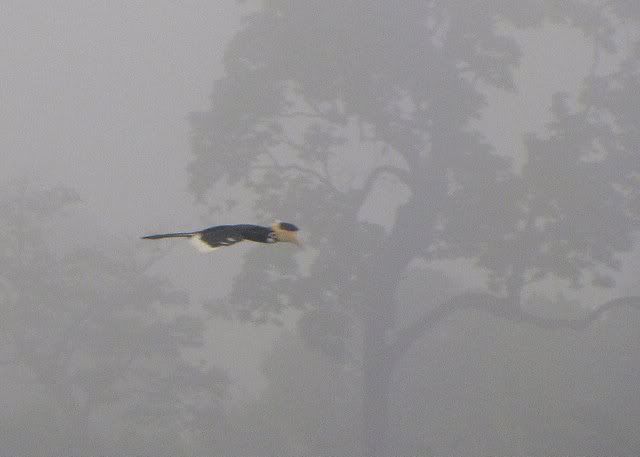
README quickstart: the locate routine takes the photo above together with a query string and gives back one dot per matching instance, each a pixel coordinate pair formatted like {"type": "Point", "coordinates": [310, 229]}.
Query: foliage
{"type": "Point", "coordinates": [355, 119]}
{"type": "Point", "coordinates": [92, 346]}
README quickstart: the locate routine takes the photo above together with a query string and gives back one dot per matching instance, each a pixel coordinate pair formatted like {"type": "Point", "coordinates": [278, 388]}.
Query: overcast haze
{"type": "Point", "coordinates": [465, 177]}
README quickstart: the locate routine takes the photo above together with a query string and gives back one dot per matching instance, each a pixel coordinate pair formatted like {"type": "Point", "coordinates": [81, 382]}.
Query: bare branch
{"type": "Point", "coordinates": [9, 361]}
{"type": "Point", "coordinates": [386, 169]}
{"type": "Point", "coordinates": [303, 114]}
{"type": "Point", "coordinates": [360, 195]}
{"type": "Point", "coordinates": [293, 145]}
{"type": "Point", "coordinates": [296, 168]}
{"type": "Point", "coordinates": [498, 307]}
{"type": "Point", "coordinates": [518, 315]}
{"type": "Point", "coordinates": [299, 169]}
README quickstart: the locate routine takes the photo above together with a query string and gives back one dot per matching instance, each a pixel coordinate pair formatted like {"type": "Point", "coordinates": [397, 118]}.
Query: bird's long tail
{"type": "Point", "coordinates": [169, 235]}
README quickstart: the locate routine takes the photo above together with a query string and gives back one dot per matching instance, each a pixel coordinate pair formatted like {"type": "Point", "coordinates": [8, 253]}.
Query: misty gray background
{"type": "Point", "coordinates": [96, 98]}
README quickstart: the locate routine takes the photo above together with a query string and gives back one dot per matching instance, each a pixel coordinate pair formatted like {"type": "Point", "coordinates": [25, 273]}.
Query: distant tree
{"type": "Point", "coordinates": [92, 347]}
{"type": "Point", "coordinates": [309, 406]}
{"type": "Point", "coordinates": [517, 389]}
{"type": "Point", "coordinates": [473, 387]}
{"type": "Point", "coordinates": [333, 111]}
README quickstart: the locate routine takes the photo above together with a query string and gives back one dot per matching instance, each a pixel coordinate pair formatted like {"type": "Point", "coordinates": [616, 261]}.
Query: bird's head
{"type": "Point", "coordinates": [285, 232]}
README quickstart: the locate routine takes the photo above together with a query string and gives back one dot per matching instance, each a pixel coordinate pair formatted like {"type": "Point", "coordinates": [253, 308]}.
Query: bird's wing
{"type": "Point", "coordinates": [216, 237]}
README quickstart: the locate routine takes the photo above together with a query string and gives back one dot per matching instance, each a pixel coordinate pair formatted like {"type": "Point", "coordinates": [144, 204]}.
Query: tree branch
{"type": "Point", "coordinates": [386, 169]}
{"type": "Point", "coordinates": [498, 307]}
{"type": "Point", "coordinates": [303, 114]}
{"type": "Point", "coordinates": [297, 168]}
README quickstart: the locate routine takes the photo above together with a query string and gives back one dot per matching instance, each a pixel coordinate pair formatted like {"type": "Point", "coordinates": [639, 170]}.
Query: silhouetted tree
{"type": "Point", "coordinates": [355, 120]}
{"type": "Point", "coordinates": [92, 346]}
{"type": "Point", "coordinates": [479, 387]}
{"type": "Point", "coordinates": [309, 406]}
{"type": "Point", "coordinates": [473, 387]}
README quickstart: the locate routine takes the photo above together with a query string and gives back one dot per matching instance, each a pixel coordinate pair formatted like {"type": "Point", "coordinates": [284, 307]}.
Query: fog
{"type": "Point", "coordinates": [466, 179]}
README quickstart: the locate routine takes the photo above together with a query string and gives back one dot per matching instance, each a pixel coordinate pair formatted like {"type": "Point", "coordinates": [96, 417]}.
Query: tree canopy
{"type": "Point", "coordinates": [356, 120]}
{"type": "Point", "coordinates": [92, 346]}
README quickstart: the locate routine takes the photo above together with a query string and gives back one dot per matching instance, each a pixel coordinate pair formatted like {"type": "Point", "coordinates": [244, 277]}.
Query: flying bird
{"type": "Point", "coordinates": [213, 238]}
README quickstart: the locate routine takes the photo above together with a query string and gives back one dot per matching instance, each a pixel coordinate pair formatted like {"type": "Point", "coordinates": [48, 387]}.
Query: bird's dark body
{"type": "Point", "coordinates": [226, 235]}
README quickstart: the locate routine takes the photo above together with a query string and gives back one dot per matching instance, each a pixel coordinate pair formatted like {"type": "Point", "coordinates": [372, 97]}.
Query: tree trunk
{"type": "Point", "coordinates": [378, 357]}
{"type": "Point", "coordinates": [376, 386]}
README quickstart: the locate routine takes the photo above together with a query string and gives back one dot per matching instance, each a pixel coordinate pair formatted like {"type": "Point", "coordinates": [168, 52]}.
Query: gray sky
{"type": "Point", "coordinates": [95, 96]}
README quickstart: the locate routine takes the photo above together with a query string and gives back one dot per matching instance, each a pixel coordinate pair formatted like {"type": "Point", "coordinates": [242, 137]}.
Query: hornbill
{"type": "Point", "coordinates": [213, 238]}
